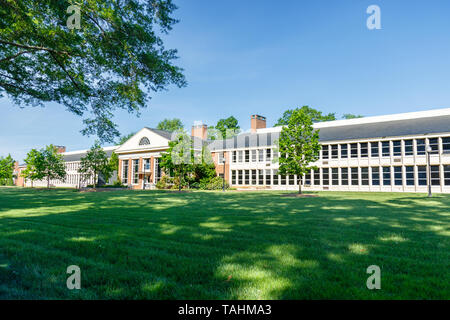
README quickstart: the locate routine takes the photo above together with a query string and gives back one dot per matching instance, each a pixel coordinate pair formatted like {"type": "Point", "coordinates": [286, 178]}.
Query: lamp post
{"type": "Point", "coordinates": [223, 182]}
{"type": "Point", "coordinates": [429, 169]}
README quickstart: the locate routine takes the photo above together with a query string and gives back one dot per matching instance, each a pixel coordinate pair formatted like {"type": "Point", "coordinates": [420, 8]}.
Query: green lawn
{"type": "Point", "coordinates": [210, 245]}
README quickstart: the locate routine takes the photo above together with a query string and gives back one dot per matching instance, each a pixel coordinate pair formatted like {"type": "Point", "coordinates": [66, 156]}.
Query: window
{"type": "Point", "coordinates": [239, 177]}
{"type": "Point", "coordinates": [240, 155]}
{"type": "Point", "coordinates": [375, 176]}
{"type": "Point", "coordinates": [374, 152]}
{"type": "Point", "coordinates": [385, 149]}
{"type": "Point", "coordinates": [233, 176]}
{"type": "Point", "coordinates": [260, 177]}
{"type": "Point", "coordinates": [355, 176]}
{"type": "Point", "coordinates": [234, 157]}
{"type": "Point", "coordinates": [386, 176]}
{"type": "Point", "coordinates": [364, 149]}
{"type": "Point", "coordinates": [247, 177]}
{"type": "Point", "coordinates": [446, 145]}
{"type": "Point", "coordinates": [422, 175]}
{"type": "Point", "coordinates": [308, 178]}
{"type": "Point", "coordinates": [409, 148]}
{"type": "Point", "coordinates": [398, 180]}
{"type": "Point", "coordinates": [283, 180]}
{"type": "Point", "coordinates": [420, 147]}
{"type": "Point", "coordinates": [435, 179]}
{"type": "Point", "coordinates": [344, 176]}
{"type": "Point", "coordinates": [261, 155]}
{"type": "Point", "coordinates": [335, 176]}
{"type": "Point", "coordinates": [334, 151]}
{"type": "Point", "coordinates": [268, 155]}
{"type": "Point", "coordinates": [365, 176]}
{"type": "Point", "coordinates": [157, 170]}
{"type": "Point", "coordinates": [434, 144]}
{"type": "Point", "coordinates": [136, 171]}
{"type": "Point", "coordinates": [268, 177]}
{"type": "Point", "coordinates": [221, 157]}
{"type": "Point", "coordinates": [344, 151]}
{"type": "Point", "coordinates": [253, 155]}
{"type": "Point", "coordinates": [146, 165]}
{"type": "Point", "coordinates": [247, 156]}
{"type": "Point", "coordinates": [292, 180]}
{"type": "Point", "coordinates": [275, 177]}
{"type": "Point", "coordinates": [397, 147]}
{"type": "Point", "coordinates": [317, 177]}
{"type": "Point", "coordinates": [253, 177]}
{"type": "Point", "coordinates": [144, 141]}
{"type": "Point", "coordinates": [125, 171]}
{"type": "Point", "coordinates": [409, 175]}
{"type": "Point", "coordinates": [354, 150]}
{"type": "Point", "coordinates": [325, 154]}
{"type": "Point", "coordinates": [447, 175]}
{"type": "Point", "coordinates": [326, 176]}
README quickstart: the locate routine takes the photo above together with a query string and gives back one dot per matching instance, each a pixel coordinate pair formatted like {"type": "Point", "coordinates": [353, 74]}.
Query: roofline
{"type": "Point", "coordinates": [86, 150]}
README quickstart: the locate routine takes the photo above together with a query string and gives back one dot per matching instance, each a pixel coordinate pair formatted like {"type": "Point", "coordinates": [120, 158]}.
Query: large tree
{"type": "Point", "coordinates": [52, 166]}
{"type": "Point", "coordinates": [224, 129]}
{"type": "Point", "coordinates": [34, 170]}
{"type": "Point", "coordinates": [6, 170]}
{"type": "Point", "coordinates": [170, 125]}
{"type": "Point", "coordinates": [95, 162]}
{"type": "Point", "coordinates": [114, 60]}
{"type": "Point", "coordinates": [315, 115]}
{"type": "Point", "coordinates": [298, 146]}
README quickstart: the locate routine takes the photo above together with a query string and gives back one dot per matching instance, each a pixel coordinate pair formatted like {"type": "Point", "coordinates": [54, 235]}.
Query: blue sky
{"type": "Point", "coordinates": [246, 57]}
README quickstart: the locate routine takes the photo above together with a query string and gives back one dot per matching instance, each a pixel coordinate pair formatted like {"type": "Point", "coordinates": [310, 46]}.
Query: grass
{"type": "Point", "coordinates": [210, 245]}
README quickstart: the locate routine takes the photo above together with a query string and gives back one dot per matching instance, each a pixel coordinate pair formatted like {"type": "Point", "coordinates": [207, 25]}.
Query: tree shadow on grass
{"type": "Point", "coordinates": [210, 245]}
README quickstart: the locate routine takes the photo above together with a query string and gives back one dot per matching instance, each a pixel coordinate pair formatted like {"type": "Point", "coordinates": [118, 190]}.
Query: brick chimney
{"type": "Point", "coordinates": [199, 131]}
{"type": "Point", "coordinates": [60, 149]}
{"type": "Point", "coordinates": [257, 122]}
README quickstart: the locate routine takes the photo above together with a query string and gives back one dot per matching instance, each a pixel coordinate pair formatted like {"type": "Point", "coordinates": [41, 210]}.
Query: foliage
{"type": "Point", "coordinates": [94, 162]}
{"type": "Point", "coordinates": [113, 61]}
{"type": "Point", "coordinates": [34, 170]}
{"type": "Point", "coordinates": [171, 125]}
{"type": "Point", "coordinates": [351, 116]}
{"type": "Point", "coordinates": [315, 115]}
{"type": "Point", "coordinates": [6, 170]}
{"type": "Point", "coordinates": [166, 182]}
{"type": "Point", "coordinates": [215, 183]}
{"type": "Point", "coordinates": [52, 166]}
{"type": "Point", "coordinates": [298, 145]}
{"type": "Point", "coordinates": [124, 139]}
{"type": "Point", "coordinates": [228, 127]}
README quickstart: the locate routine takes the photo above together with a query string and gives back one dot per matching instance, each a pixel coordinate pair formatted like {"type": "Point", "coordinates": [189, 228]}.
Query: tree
{"type": "Point", "coordinates": [124, 139]}
{"type": "Point", "coordinates": [170, 125]}
{"type": "Point", "coordinates": [52, 166]}
{"type": "Point", "coordinates": [315, 115]}
{"type": "Point", "coordinates": [34, 170]}
{"type": "Point", "coordinates": [298, 145]}
{"type": "Point", "coordinates": [113, 60]}
{"type": "Point", "coordinates": [226, 128]}
{"type": "Point", "coordinates": [351, 116]}
{"type": "Point", "coordinates": [6, 170]}
{"type": "Point", "coordinates": [179, 158]}
{"type": "Point", "coordinates": [94, 162]}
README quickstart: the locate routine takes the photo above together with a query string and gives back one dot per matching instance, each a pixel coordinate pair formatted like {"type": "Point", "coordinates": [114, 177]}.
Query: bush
{"type": "Point", "coordinates": [165, 182]}
{"type": "Point", "coordinates": [215, 183]}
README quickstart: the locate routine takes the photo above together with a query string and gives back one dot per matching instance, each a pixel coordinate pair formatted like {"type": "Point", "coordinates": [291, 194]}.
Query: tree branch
{"type": "Point", "coordinates": [23, 46]}
{"type": "Point", "coordinates": [14, 56]}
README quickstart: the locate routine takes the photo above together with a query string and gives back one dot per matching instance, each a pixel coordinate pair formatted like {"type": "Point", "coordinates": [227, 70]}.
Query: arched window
{"type": "Point", "coordinates": [144, 141]}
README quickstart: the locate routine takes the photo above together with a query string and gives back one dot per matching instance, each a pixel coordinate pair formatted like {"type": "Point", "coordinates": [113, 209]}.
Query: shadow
{"type": "Point", "coordinates": [214, 245]}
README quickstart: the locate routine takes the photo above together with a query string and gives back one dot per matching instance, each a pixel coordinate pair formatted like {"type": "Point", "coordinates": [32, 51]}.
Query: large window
{"type": "Point", "coordinates": [435, 179]}
{"type": "Point", "coordinates": [247, 177]}
{"type": "Point", "coordinates": [275, 177]}
{"type": "Point", "coordinates": [268, 177]}
{"type": "Point", "coordinates": [146, 164]}
{"type": "Point", "coordinates": [344, 176]}
{"type": "Point", "coordinates": [308, 178]}
{"type": "Point", "coordinates": [422, 175]}
{"type": "Point", "coordinates": [344, 151]}
{"type": "Point", "coordinates": [253, 155]}
{"type": "Point", "coordinates": [355, 176]}
{"type": "Point", "coordinates": [221, 157]}
{"type": "Point", "coordinates": [247, 156]}
{"type": "Point", "coordinates": [325, 154]}
{"type": "Point", "coordinates": [354, 150]}
{"type": "Point", "coordinates": [283, 180]}
{"type": "Point", "coordinates": [385, 149]}
{"type": "Point", "coordinates": [325, 176]}
{"type": "Point", "coordinates": [397, 148]}
{"type": "Point", "coordinates": [398, 177]}
{"type": "Point", "coordinates": [136, 171]}
{"type": "Point", "coordinates": [125, 171]}
{"type": "Point", "coordinates": [268, 155]}
{"type": "Point", "coordinates": [334, 151]}
{"type": "Point", "coordinates": [234, 157]}
{"type": "Point", "coordinates": [233, 176]}
{"type": "Point", "coordinates": [447, 175]}
{"type": "Point", "coordinates": [374, 152]}
{"type": "Point", "coordinates": [317, 177]}
{"type": "Point", "coordinates": [364, 150]}
{"type": "Point", "coordinates": [253, 177]}
{"type": "Point", "coordinates": [446, 145]}
{"type": "Point", "coordinates": [386, 176]}
{"type": "Point", "coordinates": [409, 148]}
{"type": "Point", "coordinates": [261, 177]}
{"type": "Point", "coordinates": [240, 156]}
{"type": "Point", "coordinates": [434, 144]}
{"type": "Point", "coordinates": [409, 175]}
{"type": "Point", "coordinates": [365, 176]}
{"type": "Point", "coordinates": [261, 155]}
{"type": "Point", "coordinates": [291, 179]}
{"type": "Point", "coordinates": [375, 176]}
{"type": "Point", "coordinates": [240, 180]}
{"type": "Point", "coordinates": [335, 176]}
{"type": "Point", "coordinates": [420, 146]}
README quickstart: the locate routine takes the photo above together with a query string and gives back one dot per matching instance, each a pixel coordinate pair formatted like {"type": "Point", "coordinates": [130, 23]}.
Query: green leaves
{"type": "Point", "coordinates": [96, 161]}
{"type": "Point", "coordinates": [45, 163]}
{"type": "Point", "coordinates": [113, 62]}
{"type": "Point", "coordinates": [315, 115]}
{"type": "Point", "coordinates": [170, 125]}
{"type": "Point", "coordinates": [6, 169]}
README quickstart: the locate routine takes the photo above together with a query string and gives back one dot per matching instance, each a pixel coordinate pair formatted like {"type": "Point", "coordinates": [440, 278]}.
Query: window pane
{"type": "Point", "coordinates": [398, 176]}
{"type": "Point", "coordinates": [385, 149]}
{"type": "Point", "coordinates": [447, 175]}
{"type": "Point", "coordinates": [240, 177]}
{"type": "Point", "coordinates": [317, 177]}
{"type": "Point", "coordinates": [344, 151]}
{"type": "Point", "coordinates": [261, 155]}
{"type": "Point", "coordinates": [435, 179]}
{"type": "Point", "coordinates": [253, 177]}
{"type": "Point", "coordinates": [344, 176]}
{"type": "Point", "coordinates": [240, 156]}
{"type": "Point", "coordinates": [283, 180]}
{"type": "Point", "coordinates": [268, 177]}
{"type": "Point", "coordinates": [446, 145]}
{"type": "Point", "coordinates": [275, 177]}
{"type": "Point", "coordinates": [409, 171]}
{"type": "Point", "coordinates": [334, 176]}
{"type": "Point", "coordinates": [434, 144]}
{"type": "Point", "coordinates": [325, 176]}
{"type": "Point", "coordinates": [375, 176]}
{"type": "Point", "coordinates": [325, 152]}
{"type": "Point", "coordinates": [386, 176]}
{"type": "Point", "coordinates": [409, 148]}
{"type": "Point", "coordinates": [247, 155]}
{"type": "Point", "coordinates": [247, 177]}
{"type": "Point", "coordinates": [260, 177]}
{"type": "Point", "coordinates": [291, 179]}
{"type": "Point", "coordinates": [420, 146]}
{"type": "Point", "coordinates": [233, 176]}
{"type": "Point", "coordinates": [253, 155]}
{"type": "Point", "coordinates": [234, 156]}
{"type": "Point", "coordinates": [354, 150]}
{"type": "Point", "coordinates": [365, 176]}
{"type": "Point", "coordinates": [268, 154]}
{"type": "Point", "coordinates": [334, 151]}
{"type": "Point", "coordinates": [422, 175]}
{"type": "Point", "coordinates": [397, 146]}
{"type": "Point", "coordinates": [364, 150]}
{"type": "Point", "coordinates": [355, 176]}
{"type": "Point", "coordinates": [374, 149]}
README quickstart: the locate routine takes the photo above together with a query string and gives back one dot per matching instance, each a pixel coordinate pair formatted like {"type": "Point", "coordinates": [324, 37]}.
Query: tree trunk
{"type": "Point", "coordinates": [299, 188]}
{"type": "Point", "coordinates": [48, 182]}
{"type": "Point", "coordinates": [179, 182]}
{"type": "Point", "coordinates": [95, 180]}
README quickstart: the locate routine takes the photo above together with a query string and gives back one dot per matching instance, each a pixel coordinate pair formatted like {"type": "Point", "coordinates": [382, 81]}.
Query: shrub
{"type": "Point", "coordinates": [215, 183]}
{"type": "Point", "coordinates": [165, 182]}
